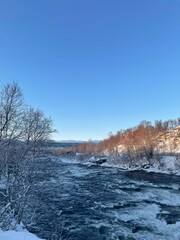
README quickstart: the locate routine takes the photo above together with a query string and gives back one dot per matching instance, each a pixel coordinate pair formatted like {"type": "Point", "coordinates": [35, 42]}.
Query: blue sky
{"type": "Point", "coordinates": [94, 66]}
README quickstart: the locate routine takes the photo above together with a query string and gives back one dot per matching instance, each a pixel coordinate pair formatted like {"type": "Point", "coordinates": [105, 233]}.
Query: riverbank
{"type": "Point", "coordinates": [165, 164]}
{"type": "Point", "coordinates": [20, 233]}
{"type": "Point", "coordinates": [17, 235]}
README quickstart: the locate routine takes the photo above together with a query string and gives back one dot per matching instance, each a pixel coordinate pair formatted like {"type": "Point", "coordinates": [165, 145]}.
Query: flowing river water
{"type": "Point", "coordinates": [79, 202]}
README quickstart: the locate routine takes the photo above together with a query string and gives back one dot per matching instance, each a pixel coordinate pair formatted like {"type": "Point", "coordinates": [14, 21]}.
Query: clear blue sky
{"type": "Point", "coordinates": [94, 66]}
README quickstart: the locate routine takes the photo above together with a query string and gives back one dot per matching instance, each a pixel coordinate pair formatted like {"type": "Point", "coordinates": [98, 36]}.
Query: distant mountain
{"type": "Point", "coordinates": [78, 141]}
{"type": "Point", "coordinates": [71, 141]}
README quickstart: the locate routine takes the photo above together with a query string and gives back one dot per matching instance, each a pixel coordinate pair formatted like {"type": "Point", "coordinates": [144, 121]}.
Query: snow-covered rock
{"type": "Point", "coordinates": [98, 161]}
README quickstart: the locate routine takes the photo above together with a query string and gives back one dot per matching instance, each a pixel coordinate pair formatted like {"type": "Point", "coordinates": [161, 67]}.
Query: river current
{"type": "Point", "coordinates": [79, 202]}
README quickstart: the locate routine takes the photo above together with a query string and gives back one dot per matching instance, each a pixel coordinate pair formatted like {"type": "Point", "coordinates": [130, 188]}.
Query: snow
{"type": "Point", "coordinates": [169, 162]}
{"type": "Point", "coordinates": [14, 235]}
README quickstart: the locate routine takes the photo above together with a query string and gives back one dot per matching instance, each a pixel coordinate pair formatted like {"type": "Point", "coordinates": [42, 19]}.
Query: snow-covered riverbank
{"type": "Point", "coordinates": [167, 164]}
{"type": "Point", "coordinates": [17, 235]}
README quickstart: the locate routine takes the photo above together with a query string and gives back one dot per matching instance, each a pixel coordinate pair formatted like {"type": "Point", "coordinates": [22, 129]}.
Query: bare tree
{"type": "Point", "coordinates": [23, 131]}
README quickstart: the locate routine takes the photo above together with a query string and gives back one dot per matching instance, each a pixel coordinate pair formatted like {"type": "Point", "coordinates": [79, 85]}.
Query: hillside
{"type": "Point", "coordinates": [169, 142]}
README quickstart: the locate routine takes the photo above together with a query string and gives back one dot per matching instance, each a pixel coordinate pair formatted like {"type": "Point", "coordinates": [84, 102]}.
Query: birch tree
{"type": "Point", "coordinates": [23, 131]}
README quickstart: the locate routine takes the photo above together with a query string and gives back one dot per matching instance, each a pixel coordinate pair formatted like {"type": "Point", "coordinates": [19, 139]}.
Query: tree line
{"type": "Point", "coordinates": [141, 141]}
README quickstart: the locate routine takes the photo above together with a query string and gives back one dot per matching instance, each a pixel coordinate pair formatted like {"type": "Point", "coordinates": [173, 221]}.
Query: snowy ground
{"type": "Point", "coordinates": [16, 235]}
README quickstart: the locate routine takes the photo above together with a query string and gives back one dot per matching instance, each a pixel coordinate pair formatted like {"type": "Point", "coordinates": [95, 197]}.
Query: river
{"type": "Point", "coordinates": [79, 202]}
